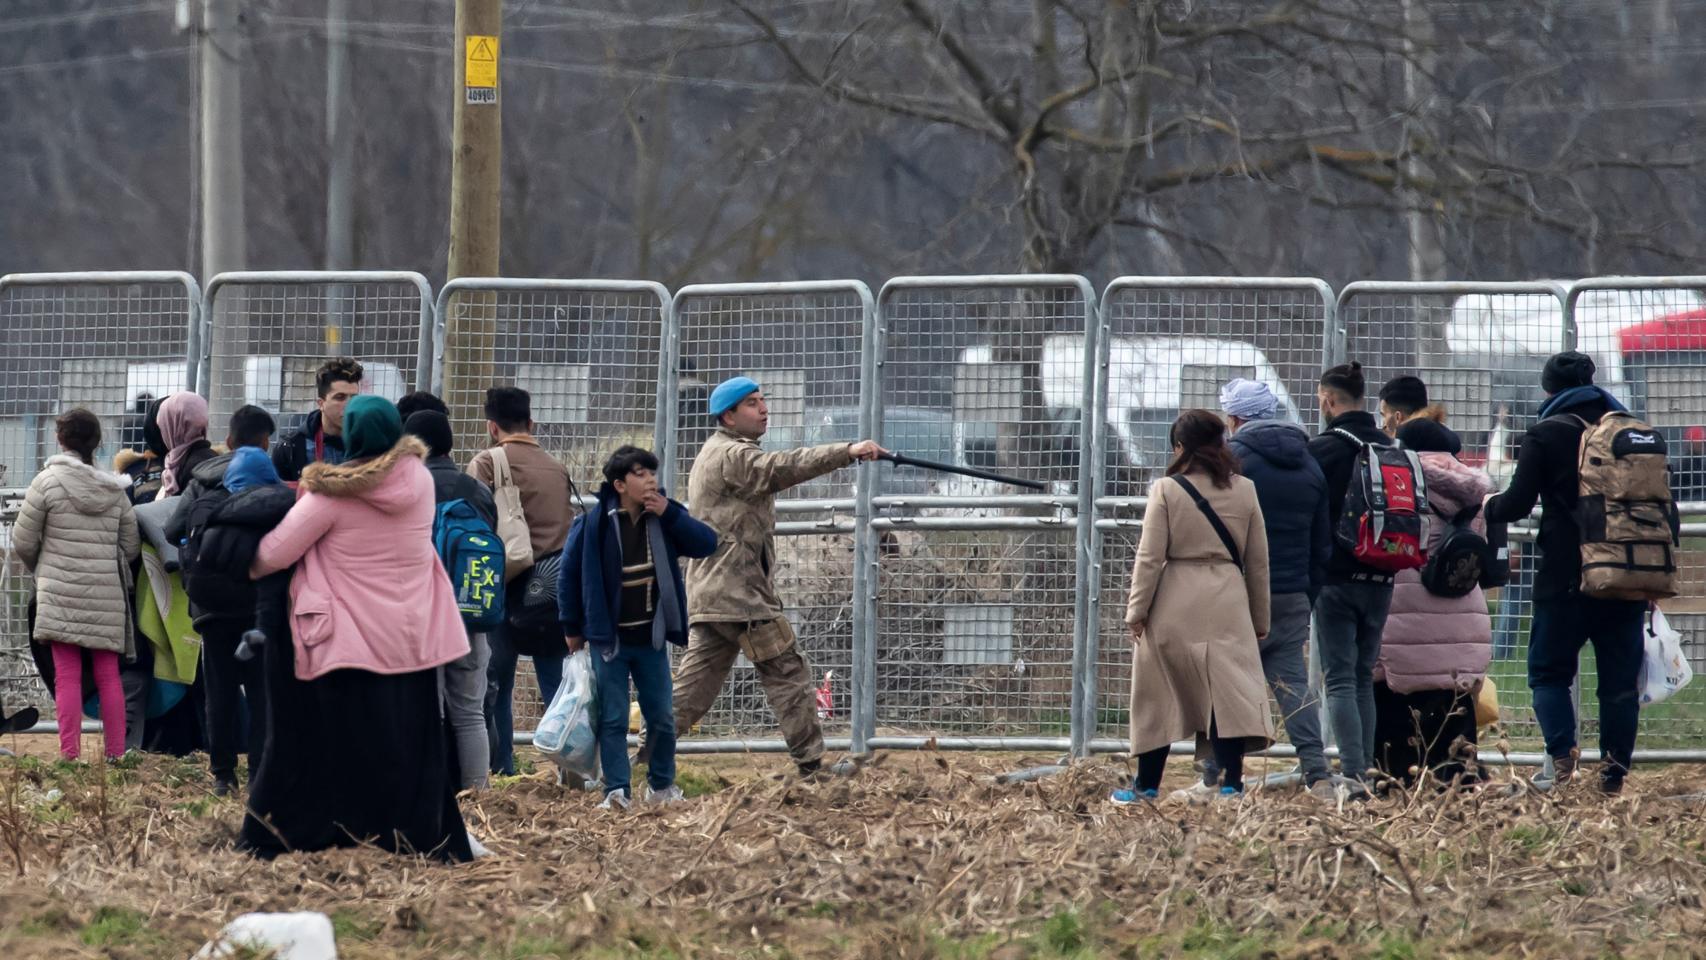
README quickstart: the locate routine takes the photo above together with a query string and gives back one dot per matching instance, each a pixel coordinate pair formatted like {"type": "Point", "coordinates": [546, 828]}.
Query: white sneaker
{"type": "Point", "coordinates": [670, 794]}
{"type": "Point", "coordinates": [615, 800]}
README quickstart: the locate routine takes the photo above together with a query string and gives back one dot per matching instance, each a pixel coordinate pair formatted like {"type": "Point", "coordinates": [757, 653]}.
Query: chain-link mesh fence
{"type": "Point", "coordinates": [268, 333]}
{"type": "Point", "coordinates": [1479, 348]}
{"type": "Point", "coordinates": [1647, 337]}
{"type": "Point", "coordinates": [802, 343]}
{"type": "Point", "coordinates": [977, 584]}
{"type": "Point", "coordinates": [1168, 345]}
{"type": "Point", "coordinates": [108, 342]}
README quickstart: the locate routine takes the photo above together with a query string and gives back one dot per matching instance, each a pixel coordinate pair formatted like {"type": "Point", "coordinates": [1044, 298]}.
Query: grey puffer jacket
{"type": "Point", "coordinates": [77, 534]}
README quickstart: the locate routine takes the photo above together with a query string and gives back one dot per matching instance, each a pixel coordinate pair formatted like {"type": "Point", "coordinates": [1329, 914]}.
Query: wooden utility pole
{"type": "Point", "coordinates": [223, 241]}
{"type": "Point", "coordinates": [340, 171]}
{"type": "Point", "coordinates": [476, 171]}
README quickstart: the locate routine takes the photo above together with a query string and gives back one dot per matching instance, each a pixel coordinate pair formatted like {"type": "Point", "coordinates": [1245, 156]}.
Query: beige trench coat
{"type": "Point", "coordinates": [1198, 656]}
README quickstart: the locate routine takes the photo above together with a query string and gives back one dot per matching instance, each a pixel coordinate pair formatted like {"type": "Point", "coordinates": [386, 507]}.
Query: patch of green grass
{"type": "Point", "coordinates": [976, 948]}
{"type": "Point", "coordinates": [1529, 838]}
{"type": "Point", "coordinates": [1396, 947]}
{"type": "Point", "coordinates": [115, 927]}
{"type": "Point", "coordinates": [199, 807]}
{"type": "Point", "coordinates": [53, 921]}
{"type": "Point", "coordinates": [525, 765]}
{"type": "Point", "coordinates": [534, 947]}
{"type": "Point", "coordinates": [823, 908]}
{"type": "Point", "coordinates": [696, 783]}
{"type": "Point", "coordinates": [1212, 940]}
{"type": "Point", "coordinates": [1575, 888]}
{"type": "Point", "coordinates": [1065, 932]}
{"type": "Point", "coordinates": [350, 925]}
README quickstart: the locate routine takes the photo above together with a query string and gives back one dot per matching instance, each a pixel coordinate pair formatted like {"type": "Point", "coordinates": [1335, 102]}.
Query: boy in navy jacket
{"type": "Point", "coordinates": [621, 591]}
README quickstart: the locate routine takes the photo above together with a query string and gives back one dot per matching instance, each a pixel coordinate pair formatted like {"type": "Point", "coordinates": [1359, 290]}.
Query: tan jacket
{"type": "Point", "coordinates": [77, 534]}
{"type": "Point", "coordinates": [1199, 657]}
{"type": "Point", "coordinates": [544, 483]}
{"type": "Point", "coordinates": [733, 488]}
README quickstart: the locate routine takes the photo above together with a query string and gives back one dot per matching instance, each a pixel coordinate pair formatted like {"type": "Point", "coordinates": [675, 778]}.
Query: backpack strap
{"type": "Point", "coordinates": [1214, 521]}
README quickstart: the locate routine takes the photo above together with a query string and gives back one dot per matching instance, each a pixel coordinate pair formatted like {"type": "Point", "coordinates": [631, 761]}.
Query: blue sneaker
{"type": "Point", "coordinates": [1229, 793]}
{"type": "Point", "coordinates": [1127, 797]}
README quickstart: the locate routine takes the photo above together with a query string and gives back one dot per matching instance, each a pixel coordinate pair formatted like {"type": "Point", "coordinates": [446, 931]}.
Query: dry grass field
{"type": "Point", "coordinates": [916, 855]}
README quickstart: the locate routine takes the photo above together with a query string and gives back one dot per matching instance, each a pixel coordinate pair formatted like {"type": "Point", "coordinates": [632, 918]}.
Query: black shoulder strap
{"type": "Point", "coordinates": [1460, 519]}
{"type": "Point", "coordinates": [1213, 521]}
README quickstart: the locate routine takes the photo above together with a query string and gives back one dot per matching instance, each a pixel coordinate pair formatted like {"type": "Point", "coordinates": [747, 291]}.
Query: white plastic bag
{"type": "Point", "coordinates": [1664, 667]}
{"type": "Point", "coordinates": [568, 733]}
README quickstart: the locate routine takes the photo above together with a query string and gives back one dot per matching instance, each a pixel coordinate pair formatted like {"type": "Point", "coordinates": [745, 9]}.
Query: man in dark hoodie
{"type": "Point", "coordinates": [225, 525]}
{"type": "Point", "coordinates": [1547, 471]}
{"type": "Point", "coordinates": [465, 677]}
{"type": "Point", "coordinates": [1274, 455]}
{"type": "Point", "coordinates": [620, 590]}
{"type": "Point", "coordinates": [1350, 612]}
{"type": "Point", "coordinates": [319, 436]}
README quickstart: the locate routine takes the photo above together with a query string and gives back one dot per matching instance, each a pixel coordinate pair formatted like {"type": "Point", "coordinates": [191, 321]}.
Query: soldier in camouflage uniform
{"type": "Point", "coordinates": [732, 607]}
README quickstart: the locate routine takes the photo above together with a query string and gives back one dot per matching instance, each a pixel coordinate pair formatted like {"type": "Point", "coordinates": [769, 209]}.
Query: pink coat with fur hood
{"type": "Point", "coordinates": [1432, 642]}
{"type": "Point", "coordinates": [369, 592]}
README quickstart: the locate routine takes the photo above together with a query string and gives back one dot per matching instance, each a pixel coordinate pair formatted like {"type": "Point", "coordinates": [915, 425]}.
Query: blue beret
{"type": "Point", "coordinates": [729, 393]}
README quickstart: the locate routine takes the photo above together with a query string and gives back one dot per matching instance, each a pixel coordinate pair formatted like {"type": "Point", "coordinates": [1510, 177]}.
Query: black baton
{"type": "Point", "coordinates": [902, 460]}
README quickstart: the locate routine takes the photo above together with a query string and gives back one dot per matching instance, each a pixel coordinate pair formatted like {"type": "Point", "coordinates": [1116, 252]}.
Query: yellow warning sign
{"type": "Point", "coordinates": [481, 64]}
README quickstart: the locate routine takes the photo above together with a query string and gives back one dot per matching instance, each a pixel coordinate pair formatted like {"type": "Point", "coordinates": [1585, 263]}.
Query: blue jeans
{"type": "Point", "coordinates": [649, 670]}
{"type": "Point", "coordinates": [1349, 619]}
{"type": "Point", "coordinates": [500, 695]}
{"type": "Point", "coordinates": [1561, 627]}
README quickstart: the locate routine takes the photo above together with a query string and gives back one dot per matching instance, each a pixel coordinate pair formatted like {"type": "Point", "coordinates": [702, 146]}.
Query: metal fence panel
{"type": "Point", "coordinates": [109, 342]}
{"type": "Point", "coordinates": [803, 342]}
{"type": "Point", "coordinates": [1168, 343]}
{"type": "Point", "coordinates": [1485, 343]}
{"type": "Point", "coordinates": [590, 352]}
{"type": "Point", "coordinates": [1647, 336]}
{"type": "Point", "coordinates": [267, 333]}
{"type": "Point", "coordinates": [975, 622]}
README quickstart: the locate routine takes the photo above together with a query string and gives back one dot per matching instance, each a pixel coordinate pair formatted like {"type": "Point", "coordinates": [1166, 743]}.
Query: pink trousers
{"type": "Point", "coordinates": [68, 698]}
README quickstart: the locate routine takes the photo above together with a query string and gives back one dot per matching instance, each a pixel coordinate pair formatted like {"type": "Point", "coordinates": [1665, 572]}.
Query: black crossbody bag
{"type": "Point", "coordinates": [1213, 521]}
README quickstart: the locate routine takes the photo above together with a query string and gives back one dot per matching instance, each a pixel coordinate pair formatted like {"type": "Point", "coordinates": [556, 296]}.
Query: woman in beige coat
{"type": "Point", "coordinates": [77, 534]}
{"type": "Point", "coordinates": [1195, 617]}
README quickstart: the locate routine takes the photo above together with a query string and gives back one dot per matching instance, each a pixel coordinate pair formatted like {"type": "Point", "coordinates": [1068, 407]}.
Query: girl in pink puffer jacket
{"type": "Point", "coordinates": [1435, 649]}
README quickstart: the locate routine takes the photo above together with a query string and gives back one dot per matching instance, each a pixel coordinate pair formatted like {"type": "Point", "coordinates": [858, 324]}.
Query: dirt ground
{"type": "Point", "coordinates": [915, 855]}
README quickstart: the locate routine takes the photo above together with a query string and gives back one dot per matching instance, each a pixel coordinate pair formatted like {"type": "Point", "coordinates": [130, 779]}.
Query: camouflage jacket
{"type": "Point", "coordinates": [733, 488]}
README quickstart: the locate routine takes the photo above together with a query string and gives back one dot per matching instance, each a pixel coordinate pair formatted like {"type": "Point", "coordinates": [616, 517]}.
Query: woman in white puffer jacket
{"type": "Point", "coordinates": [77, 535]}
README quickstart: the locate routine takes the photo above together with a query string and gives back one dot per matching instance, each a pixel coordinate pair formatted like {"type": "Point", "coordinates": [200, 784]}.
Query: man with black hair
{"type": "Point", "coordinates": [1350, 613]}
{"type": "Point", "coordinates": [318, 437]}
{"type": "Point", "coordinates": [1548, 472]}
{"type": "Point", "coordinates": [417, 400]}
{"type": "Point", "coordinates": [621, 591]}
{"type": "Point", "coordinates": [1402, 398]}
{"type": "Point", "coordinates": [548, 504]}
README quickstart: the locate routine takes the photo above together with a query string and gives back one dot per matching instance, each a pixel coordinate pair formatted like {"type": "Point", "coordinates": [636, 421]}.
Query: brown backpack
{"type": "Point", "coordinates": [1628, 521]}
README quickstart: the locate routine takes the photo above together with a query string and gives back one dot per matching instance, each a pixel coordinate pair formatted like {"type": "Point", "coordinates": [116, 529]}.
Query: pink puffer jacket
{"type": "Point", "coordinates": [1432, 642]}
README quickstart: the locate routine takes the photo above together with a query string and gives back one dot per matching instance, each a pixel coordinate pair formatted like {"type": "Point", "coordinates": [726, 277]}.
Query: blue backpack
{"type": "Point", "coordinates": [473, 556]}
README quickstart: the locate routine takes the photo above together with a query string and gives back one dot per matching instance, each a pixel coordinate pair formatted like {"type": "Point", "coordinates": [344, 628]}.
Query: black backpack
{"type": "Point", "coordinates": [1460, 563]}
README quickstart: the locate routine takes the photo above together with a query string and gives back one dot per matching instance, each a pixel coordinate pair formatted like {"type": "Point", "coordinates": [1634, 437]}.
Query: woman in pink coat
{"type": "Point", "coordinates": [358, 750]}
{"type": "Point", "coordinates": [1435, 649]}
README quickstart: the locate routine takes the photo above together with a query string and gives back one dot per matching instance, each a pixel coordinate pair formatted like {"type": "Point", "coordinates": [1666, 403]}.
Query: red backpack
{"type": "Point", "coordinates": [1384, 523]}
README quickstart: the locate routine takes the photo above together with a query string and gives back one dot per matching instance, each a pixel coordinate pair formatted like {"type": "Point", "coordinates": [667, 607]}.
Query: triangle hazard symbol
{"type": "Point", "coordinates": [482, 51]}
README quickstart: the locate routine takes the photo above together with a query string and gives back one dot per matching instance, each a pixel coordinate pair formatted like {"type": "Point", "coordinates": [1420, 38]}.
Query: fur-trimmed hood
{"type": "Point", "coordinates": [366, 479]}
{"type": "Point", "coordinates": [1452, 484]}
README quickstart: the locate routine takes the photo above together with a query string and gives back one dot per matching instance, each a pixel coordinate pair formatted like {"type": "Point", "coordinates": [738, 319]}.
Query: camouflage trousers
{"type": "Point", "coordinates": [782, 672]}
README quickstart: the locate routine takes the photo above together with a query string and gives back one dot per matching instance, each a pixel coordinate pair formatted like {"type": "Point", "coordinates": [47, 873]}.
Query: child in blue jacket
{"type": "Point", "coordinates": [621, 591]}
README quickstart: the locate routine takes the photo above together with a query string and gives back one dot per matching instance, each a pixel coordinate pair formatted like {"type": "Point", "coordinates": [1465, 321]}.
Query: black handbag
{"type": "Point", "coordinates": [531, 604]}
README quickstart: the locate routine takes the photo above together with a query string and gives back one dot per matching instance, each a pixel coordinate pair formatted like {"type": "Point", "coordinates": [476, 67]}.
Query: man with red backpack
{"type": "Point", "coordinates": [1605, 606]}
{"type": "Point", "coordinates": [1350, 613]}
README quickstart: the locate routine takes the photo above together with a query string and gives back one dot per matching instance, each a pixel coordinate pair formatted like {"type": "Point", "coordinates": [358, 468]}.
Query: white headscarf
{"type": "Point", "coordinates": [1248, 400]}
